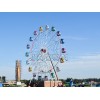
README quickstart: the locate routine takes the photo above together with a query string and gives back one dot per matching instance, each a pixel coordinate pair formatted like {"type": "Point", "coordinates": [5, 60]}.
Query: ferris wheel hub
{"type": "Point", "coordinates": [43, 50]}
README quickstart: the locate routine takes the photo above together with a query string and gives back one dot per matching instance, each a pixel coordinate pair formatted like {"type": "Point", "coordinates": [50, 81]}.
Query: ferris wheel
{"type": "Point", "coordinates": [44, 53]}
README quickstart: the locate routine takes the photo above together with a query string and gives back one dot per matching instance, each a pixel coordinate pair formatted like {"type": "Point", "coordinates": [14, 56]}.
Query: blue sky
{"type": "Point", "coordinates": [81, 33]}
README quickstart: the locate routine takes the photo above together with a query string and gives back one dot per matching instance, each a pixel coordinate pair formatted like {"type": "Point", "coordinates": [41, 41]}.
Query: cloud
{"type": "Point", "coordinates": [83, 67]}
{"type": "Point", "coordinates": [75, 38]}
{"type": "Point", "coordinates": [93, 57]}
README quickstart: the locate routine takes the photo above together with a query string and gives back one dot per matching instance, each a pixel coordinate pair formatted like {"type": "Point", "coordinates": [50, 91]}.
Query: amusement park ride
{"type": "Point", "coordinates": [44, 52]}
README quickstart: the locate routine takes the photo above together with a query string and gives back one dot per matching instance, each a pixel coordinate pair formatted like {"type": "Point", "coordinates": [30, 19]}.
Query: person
{"type": "Point", "coordinates": [71, 83]}
{"type": "Point", "coordinates": [28, 84]}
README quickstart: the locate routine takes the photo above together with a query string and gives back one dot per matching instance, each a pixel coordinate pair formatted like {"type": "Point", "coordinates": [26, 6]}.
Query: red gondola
{"type": "Point", "coordinates": [63, 50]}
{"type": "Point", "coordinates": [58, 33]}
{"type": "Point", "coordinates": [35, 33]}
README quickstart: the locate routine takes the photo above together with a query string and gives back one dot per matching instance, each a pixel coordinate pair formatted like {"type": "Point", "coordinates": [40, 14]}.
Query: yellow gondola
{"type": "Point", "coordinates": [41, 29]}
{"type": "Point", "coordinates": [61, 60]}
{"type": "Point", "coordinates": [30, 69]}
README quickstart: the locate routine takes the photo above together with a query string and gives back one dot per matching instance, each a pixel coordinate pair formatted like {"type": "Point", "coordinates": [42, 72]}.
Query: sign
{"type": "Point", "coordinates": [18, 83]}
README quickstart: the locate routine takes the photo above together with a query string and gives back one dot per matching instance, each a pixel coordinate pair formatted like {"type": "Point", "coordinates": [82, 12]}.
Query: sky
{"type": "Point", "coordinates": [81, 33]}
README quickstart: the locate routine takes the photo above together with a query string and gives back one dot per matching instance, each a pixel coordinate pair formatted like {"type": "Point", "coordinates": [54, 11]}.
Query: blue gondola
{"type": "Point", "coordinates": [27, 62]}
{"type": "Point", "coordinates": [52, 75]}
{"type": "Point", "coordinates": [34, 75]}
{"type": "Point", "coordinates": [62, 41]}
{"type": "Point", "coordinates": [39, 77]}
{"type": "Point", "coordinates": [28, 46]}
{"type": "Point", "coordinates": [27, 54]}
{"type": "Point", "coordinates": [57, 69]}
{"type": "Point", "coordinates": [31, 39]}
{"type": "Point", "coordinates": [53, 29]}
{"type": "Point", "coordinates": [47, 27]}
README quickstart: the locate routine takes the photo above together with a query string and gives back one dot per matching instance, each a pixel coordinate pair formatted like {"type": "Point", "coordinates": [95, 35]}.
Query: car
{"type": "Point", "coordinates": [98, 85]}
